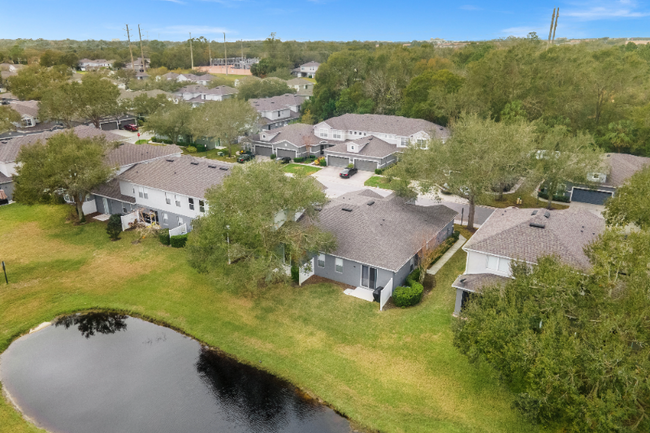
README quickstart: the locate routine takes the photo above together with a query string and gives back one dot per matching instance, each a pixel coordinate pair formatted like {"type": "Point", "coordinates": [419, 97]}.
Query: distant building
{"type": "Point", "coordinates": [91, 65]}
{"type": "Point", "coordinates": [307, 70]}
{"type": "Point", "coordinates": [235, 62]}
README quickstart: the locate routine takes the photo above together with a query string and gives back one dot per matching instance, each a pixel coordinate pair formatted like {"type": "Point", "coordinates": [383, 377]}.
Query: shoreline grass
{"type": "Point", "coordinates": [391, 371]}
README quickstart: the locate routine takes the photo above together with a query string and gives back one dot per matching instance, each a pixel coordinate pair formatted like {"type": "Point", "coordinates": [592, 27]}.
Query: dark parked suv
{"type": "Point", "coordinates": [348, 172]}
{"type": "Point", "coordinates": [284, 160]}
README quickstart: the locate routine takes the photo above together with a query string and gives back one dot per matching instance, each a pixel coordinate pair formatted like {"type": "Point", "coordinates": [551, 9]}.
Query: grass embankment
{"type": "Point", "coordinates": [301, 168]}
{"type": "Point", "coordinates": [380, 182]}
{"type": "Point", "coordinates": [393, 371]}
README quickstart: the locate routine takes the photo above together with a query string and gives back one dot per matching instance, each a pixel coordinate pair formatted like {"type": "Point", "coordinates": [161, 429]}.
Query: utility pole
{"type": "Point", "coordinates": [550, 30]}
{"type": "Point", "coordinates": [128, 35]}
{"type": "Point", "coordinates": [555, 28]}
{"type": "Point", "coordinates": [225, 52]}
{"type": "Point", "coordinates": [144, 66]}
{"type": "Point", "coordinates": [241, 41]}
{"type": "Point", "coordinates": [191, 51]}
{"type": "Point", "coordinates": [210, 53]}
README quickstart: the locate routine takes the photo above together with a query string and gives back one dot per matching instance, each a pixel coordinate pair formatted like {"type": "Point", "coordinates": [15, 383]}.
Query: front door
{"type": "Point", "coordinates": [368, 277]}
{"type": "Point", "coordinates": [107, 209]}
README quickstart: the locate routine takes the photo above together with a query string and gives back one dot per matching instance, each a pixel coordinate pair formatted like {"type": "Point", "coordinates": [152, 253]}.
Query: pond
{"type": "Point", "coordinates": [103, 372]}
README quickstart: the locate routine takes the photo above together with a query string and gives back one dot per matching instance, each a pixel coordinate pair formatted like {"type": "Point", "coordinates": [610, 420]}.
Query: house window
{"type": "Point", "coordinates": [422, 144]}
{"type": "Point", "coordinates": [124, 209]}
{"type": "Point", "coordinates": [498, 264]}
{"type": "Point", "coordinates": [493, 263]}
{"type": "Point", "coordinates": [179, 220]}
{"type": "Point", "coordinates": [140, 192]}
{"type": "Point", "coordinates": [278, 113]}
{"type": "Point", "coordinates": [178, 202]}
{"type": "Point", "coordinates": [165, 216]}
{"type": "Point", "coordinates": [133, 189]}
{"type": "Point", "coordinates": [336, 135]}
{"type": "Point", "coordinates": [201, 206]}
{"type": "Point", "coordinates": [323, 134]}
{"type": "Point", "coordinates": [168, 199]}
{"type": "Point", "coordinates": [338, 266]}
{"type": "Point", "coordinates": [412, 264]}
{"type": "Point", "coordinates": [191, 201]}
{"type": "Point", "coordinates": [405, 141]}
{"type": "Point", "coordinates": [146, 194]}
{"type": "Point", "coordinates": [321, 260]}
{"type": "Point", "coordinates": [504, 265]}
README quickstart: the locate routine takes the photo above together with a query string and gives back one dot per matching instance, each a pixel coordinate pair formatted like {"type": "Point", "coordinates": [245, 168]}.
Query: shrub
{"type": "Point", "coordinates": [350, 165]}
{"type": "Point", "coordinates": [322, 162]}
{"type": "Point", "coordinates": [295, 273]}
{"type": "Point", "coordinates": [413, 277]}
{"type": "Point", "coordinates": [299, 159]}
{"type": "Point", "coordinates": [563, 198]}
{"type": "Point", "coordinates": [379, 170]}
{"type": "Point", "coordinates": [114, 227]}
{"type": "Point", "coordinates": [273, 156]}
{"type": "Point", "coordinates": [191, 149]}
{"type": "Point", "coordinates": [200, 147]}
{"type": "Point", "coordinates": [163, 236]}
{"type": "Point", "coordinates": [312, 157]}
{"type": "Point", "coordinates": [408, 296]}
{"type": "Point", "coordinates": [178, 241]}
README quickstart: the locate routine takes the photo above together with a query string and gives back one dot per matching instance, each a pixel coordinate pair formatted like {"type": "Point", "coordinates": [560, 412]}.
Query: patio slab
{"type": "Point", "coordinates": [361, 293]}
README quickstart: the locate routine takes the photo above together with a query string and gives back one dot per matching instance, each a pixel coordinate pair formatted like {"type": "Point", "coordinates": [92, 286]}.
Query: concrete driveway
{"type": "Point", "coordinates": [131, 137]}
{"type": "Point", "coordinates": [337, 186]}
{"type": "Point", "coordinates": [593, 208]}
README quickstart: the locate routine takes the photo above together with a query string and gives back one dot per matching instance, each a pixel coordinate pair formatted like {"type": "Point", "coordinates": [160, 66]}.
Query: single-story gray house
{"type": "Point", "coordinates": [378, 238]}
{"type": "Point", "coordinates": [524, 235]}
{"type": "Point", "coordinates": [295, 141]}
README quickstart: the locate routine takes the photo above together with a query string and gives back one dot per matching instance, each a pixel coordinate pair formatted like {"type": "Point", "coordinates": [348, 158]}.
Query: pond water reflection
{"type": "Point", "coordinates": [101, 372]}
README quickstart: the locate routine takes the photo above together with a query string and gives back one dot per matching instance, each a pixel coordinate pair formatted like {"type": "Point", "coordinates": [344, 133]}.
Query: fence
{"type": "Point", "coordinates": [128, 219]}
{"type": "Point", "coordinates": [386, 294]}
{"type": "Point", "coordinates": [306, 271]}
{"type": "Point", "coordinates": [180, 230]}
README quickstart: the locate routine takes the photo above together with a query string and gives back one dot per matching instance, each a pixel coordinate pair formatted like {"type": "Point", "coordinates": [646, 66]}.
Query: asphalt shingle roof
{"type": "Point", "coordinates": [128, 153]}
{"type": "Point", "coordinates": [277, 102]}
{"type": "Point", "coordinates": [5, 179]}
{"type": "Point", "coordinates": [508, 233]}
{"type": "Point", "coordinates": [385, 234]}
{"type": "Point", "coordinates": [380, 123]}
{"type": "Point", "coordinates": [476, 282]}
{"type": "Point", "coordinates": [111, 189]}
{"type": "Point", "coordinates": [10, 148]}
{"type": "Point", "coordinates": [185, 175]}
{"type": "Point", "coordinates": [372, 146]}
{"type": "Point", "coordinates": [623, 166]}
{"type": "Point", "coordinates": [128, 94]}
{"type": "Point", "coordinates": [26, 108]}
{"type": "Point", "coordinates": [298, 134]}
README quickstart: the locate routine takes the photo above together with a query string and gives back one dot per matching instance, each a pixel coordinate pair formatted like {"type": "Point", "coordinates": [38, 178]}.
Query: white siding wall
{"type": "Point", "coordinates": [273, 115]}
{"type": "Point", "coordinates": [157, 201]}
{"type": "Point", "coordinates": [477, 263]}
{"type": "Point", "coordinates": [350, 135]}
{"type": "Point", "coordinates": [8, 168]}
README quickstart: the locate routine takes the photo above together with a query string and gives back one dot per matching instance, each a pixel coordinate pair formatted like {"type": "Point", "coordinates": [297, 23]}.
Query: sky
{"type": "Point", "coordinates": [332, 20]}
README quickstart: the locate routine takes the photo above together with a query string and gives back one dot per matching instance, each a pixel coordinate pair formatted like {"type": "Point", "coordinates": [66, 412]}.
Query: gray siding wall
{"type": "Point", "coordinates": [116, 208]}
{"type": "Point", "coordinates": [351, 272]}
{"type": "Point", "coordinates": [8, 188]}
{"type": "Point", "coordinates": [459, 301]}
{"type": "Point", "coordinates": [400, 276]}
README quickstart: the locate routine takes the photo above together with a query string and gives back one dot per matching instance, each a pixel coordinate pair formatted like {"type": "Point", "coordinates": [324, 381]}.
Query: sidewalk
{"type": "Point", "coordinates": [446, 256]}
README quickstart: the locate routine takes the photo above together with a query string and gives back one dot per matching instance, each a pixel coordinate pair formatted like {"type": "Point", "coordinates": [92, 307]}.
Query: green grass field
{"type": "Point", "coordinates": [379, 182]}
{"type": "Point", "coordinates": [301, 168]}
{"type": "Point", "coordinates": [391, 371]}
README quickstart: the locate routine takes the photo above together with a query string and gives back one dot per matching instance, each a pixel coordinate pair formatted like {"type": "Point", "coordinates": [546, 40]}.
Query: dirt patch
{"type": "Point", "coordinates": [315, 279]}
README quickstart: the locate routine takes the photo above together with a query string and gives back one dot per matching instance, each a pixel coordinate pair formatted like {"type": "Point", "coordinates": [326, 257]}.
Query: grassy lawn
{"type": "Point", "coordinates": [300, 168]}
{"type": "Point", "coordinates": [528, 201]}
{"type": "Point", "coordinates": [212, 154]}
{"type": "Point", "coordinates": [391, 371]}
{"type": "Point", "coordinates": [230, 78]}
{"type": "Point", "coordinates": [379, 182]}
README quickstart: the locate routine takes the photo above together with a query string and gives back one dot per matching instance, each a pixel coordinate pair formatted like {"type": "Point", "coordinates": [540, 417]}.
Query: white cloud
{"type": "Point", "coordinates": [196, 30]}
{"type": "Point", "coordinates": [606, 10]}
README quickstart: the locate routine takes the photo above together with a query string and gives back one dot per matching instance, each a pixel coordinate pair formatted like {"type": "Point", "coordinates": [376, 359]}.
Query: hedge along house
{"type": "Point", "coordinates": [10, 148]}
{"type": "Point", "coordinates": [378, 238]}
{"type": "Point", "coordinates": [107, 199]}
{"type": "Point", "coordinates": [170, 190]}
{"type": "Point", "coordinates": [524, 235]}
{"type": "Point", "coordinates": [617, 169]}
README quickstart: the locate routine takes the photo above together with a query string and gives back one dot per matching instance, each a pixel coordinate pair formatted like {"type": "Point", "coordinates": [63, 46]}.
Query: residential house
{"type": "Point", "coordinates": [138, 64]}
{"type": "Point", "coordinates": [197, 94]}
{"type": "Point", "coordinates": [90, 65]}
{"type": "Point", "coordinates": [378, 238]}
{"type": "Point", "coordinates": [131, 94]}
{"type": "Point", "coordinates": [368, 141]}
{"type": "Point", "coordinates": [141, 76]}
{"type": "Point", "coordinates": [169, 76]}
{"type": "Point", "coordinates": [107, 198]}
{"type": "Point", "coordinates": [171, 190]}
{"type": "Point", "coordinates": [277, 111]}
{"type": "Point", "coordinates": [28, 111]}
{"type": "Point", "coordinates": [307, 70]}
{"type": "Point", "coordinates": [202, 80]}
{"type": "Point", "coordinates": [617, 169]}
{"type": "Point", "coordinates": [6, 188]}
{"type": "Point", "coordinates": [524, 235]}
{"type": "Point", "coordinates": [303, 87]}
{"type": "Point", "coordinates": [10, 147]}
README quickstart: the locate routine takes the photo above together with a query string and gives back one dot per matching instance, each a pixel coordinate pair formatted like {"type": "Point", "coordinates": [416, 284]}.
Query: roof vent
{"type": "Point", "coordinates": [462, 280]}
{"type": "Point", "coordinates": [170, 160]}
{"type": "Point", "coordinates": [223, 168]}
{"type": "Point", "coordinates": [347, 209]}
{"type": "Point", "coordinates": [547, 214]}
{"type": "Point", "coordinates": [538, 225]}
{"type": "Point", "coordinates": [534, 212]}
{"type": "Point", "coordinates": [212, 166]}
{"type": "Point", "coordinates": [194, 163]}
{"type": "Point", "coordinates": [370, 203]}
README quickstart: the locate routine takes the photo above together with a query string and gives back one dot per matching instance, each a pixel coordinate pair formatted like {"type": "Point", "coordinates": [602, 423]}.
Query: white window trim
{"type": "Point", "coordinates": [321, 256]}
{"type": "Point", "coordinates": [337, 266]}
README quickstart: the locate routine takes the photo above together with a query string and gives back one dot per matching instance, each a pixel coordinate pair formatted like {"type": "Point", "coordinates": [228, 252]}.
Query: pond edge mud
{"type": "Point", "coordinates": [354, 426]}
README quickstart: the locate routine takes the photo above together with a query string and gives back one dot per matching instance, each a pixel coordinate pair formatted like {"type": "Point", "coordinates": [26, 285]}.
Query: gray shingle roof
{"type": "Point", "coordinates": [197, 88]}
{"type": "Point", "coordinates": [9, 148]}
{"type": "Point", "coordinates": [298, 134]}
{"type": "Point", "coordinates": [183, 175]}
{"type": "Point", "coordinates": [311, 64]}
{"type": "Point", "coordinates": [26, 108]}
{"type": "Point", "coordinates": [508, 233]}
{"type": "Point", "coordinates": [128, 153]}
{"type": "Point", "coordinates": [398, 125]}
{"type": "Point", "coordinates": [277, 102]}
{"type": "Point", "coordinates": [5, 179]}
{"type": "Point", "coordinates": [476, 282]}
{"type": "Point", "coordinates": [129, 94]}
{"type": "Point", "coordinates": [372, 146]}
{"type": "Point", "coordinates": [386, 234]}
{"type": "Point", "coordinates": [623, 166]}
{"type": "Point", "coordinates": [111, 189]}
